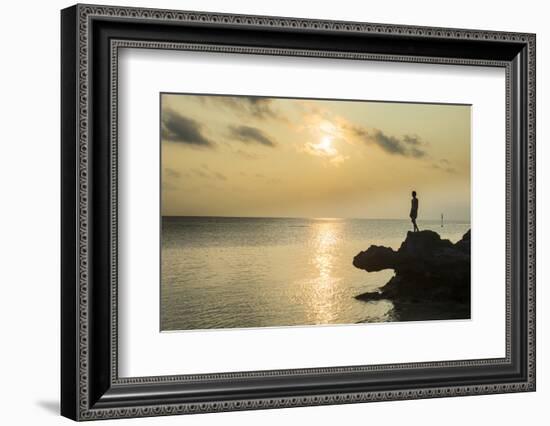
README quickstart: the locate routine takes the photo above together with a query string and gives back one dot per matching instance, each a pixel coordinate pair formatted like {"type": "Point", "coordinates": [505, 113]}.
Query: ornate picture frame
{"type": "Point", "coordinates": [91, 38]}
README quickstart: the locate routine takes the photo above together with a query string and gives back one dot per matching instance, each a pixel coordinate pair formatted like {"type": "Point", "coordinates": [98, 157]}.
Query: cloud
{"type": "Point", "coordinates": [205, 173]}
{"type": "Point", "coordinates": [201, 173]}
{"type": "Point", "coordinates": [444, 165]}
{"type": "Point", "coordinates": [171, 173]}
{"type": "Point", "coordinates": [246, 155]}
{"type": "Point", "coordinates": [256, 106]}
{"type": "Point", "coordinates": [170, 177]}
{"type": "Point", "coordinates": [339, 159]}
{"type": "Point", "coordinates": [407, 146]}
{"type": "Point", "coordinates": [177, 128]}
{"type": "Point", "coordinates": [412, 140]}
{"type": "Point", "coordinates": [416, 152]}
{"type": "Point", "coordinates": [249, 134]}
{"type": "Point", "coordinates": [259, 107]}
{"type": "Point", "coordinates": [251, 106]}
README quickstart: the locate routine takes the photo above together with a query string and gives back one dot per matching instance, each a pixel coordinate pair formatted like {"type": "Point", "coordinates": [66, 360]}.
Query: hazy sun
{"type": "Point", "coordinates": [325, 146]}
{"type": "Point", "coordinates": [326, 134]}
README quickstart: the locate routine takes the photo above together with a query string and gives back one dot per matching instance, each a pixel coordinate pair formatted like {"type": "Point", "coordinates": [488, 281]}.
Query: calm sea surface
{"type": "Point", "coordinates": [264, 272]}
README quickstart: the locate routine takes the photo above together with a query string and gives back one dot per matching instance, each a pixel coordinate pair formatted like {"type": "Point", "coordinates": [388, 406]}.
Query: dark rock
{"type": "Point", "coordinates": [376, 258]}
{"type": "Point", "coordinates": [428, 270]}
{"type": "Point", "coordinates": [464, 244]}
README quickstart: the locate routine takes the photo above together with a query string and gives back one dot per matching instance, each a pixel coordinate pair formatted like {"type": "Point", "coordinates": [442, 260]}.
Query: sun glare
{"type": "Point", "coordinates": [324, 147]}
{"type": "Point", "coordinates": [326, 144]}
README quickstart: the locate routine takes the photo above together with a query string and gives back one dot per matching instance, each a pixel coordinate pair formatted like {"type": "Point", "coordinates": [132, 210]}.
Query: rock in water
{"type": "Point", "coordinates": [376, 258]}
{"type": "Point", "coordinates": [429, 271]}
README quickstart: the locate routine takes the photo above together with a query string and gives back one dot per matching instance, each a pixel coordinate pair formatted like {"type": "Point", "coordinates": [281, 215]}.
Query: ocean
{"type": "Point", "coordinates": [228, 272]}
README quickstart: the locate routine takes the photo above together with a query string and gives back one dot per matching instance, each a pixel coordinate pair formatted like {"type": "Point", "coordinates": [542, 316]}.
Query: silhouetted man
{"type": "Point", "coordinates": [414, 210]}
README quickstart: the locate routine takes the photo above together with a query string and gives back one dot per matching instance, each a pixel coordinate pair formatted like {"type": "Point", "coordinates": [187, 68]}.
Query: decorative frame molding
{"type": "Point", "coordinates": [91, 38]}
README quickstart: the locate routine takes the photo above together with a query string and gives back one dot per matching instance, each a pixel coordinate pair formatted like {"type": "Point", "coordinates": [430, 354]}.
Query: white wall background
{"type": "Point", "coordinates": [29, 211]}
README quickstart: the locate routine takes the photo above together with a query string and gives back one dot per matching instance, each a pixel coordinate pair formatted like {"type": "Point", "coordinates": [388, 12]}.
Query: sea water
{"type": "Point", "coordinates": [227, 272]}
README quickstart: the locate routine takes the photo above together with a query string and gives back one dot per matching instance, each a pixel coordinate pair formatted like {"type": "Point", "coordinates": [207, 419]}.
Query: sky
{"type": "Point", "coordinates": [250, 156]}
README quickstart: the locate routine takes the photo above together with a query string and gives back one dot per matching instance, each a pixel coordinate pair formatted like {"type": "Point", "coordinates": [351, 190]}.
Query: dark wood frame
{"type": "Point", "coordinates": [91, 37]}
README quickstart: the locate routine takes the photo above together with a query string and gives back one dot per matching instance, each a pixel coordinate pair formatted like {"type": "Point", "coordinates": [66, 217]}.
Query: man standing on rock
{"type": "Point", "coordinates": [414, 210]}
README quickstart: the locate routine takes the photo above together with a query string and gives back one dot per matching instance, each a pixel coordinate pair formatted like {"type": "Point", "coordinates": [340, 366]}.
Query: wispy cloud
{"type": "Point", "coordinates": [444, 165]}
{"type": "Point", "coordinates": [255, 106]}
{"type": "Point", "coordinates": [248, 134]}
{"type": "Point", "coordinates": [259, 107]}
{"type": "Point", "coordinates": [406, 146]}
{"type": "Point", "coordinates": [246, 155]}
{"type": "Point", "coordinates": [171, 173]}
{"type": "Point", "coordinates": [178, 128]}
{"type": "Point", "coordinates": [412, 140]}
{"type": "Point", "coordinates": [417, 152]}
{"type": "Point", "coordinates": [201, 173]}
{"type": "Point", "coordinates": [204, 172]}
{"type": "Point", "coordinates": [325, 149]}
{"type": "Point", "coordinates": [170, 179]}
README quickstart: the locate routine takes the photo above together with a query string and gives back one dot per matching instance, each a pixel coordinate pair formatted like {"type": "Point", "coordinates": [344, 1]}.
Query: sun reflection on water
{"type": "Point", "coordinates": [322, 287]}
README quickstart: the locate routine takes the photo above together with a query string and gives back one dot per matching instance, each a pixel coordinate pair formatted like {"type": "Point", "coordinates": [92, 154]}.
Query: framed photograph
{"type": "Point", "coordinates": [263, 212]}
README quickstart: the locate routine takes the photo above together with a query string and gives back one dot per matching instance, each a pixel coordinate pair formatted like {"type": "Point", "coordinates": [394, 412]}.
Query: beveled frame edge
{"type": "Point", "coordinates": [76, 200]}
{"type": "Point", "coordinates": [115, 46]}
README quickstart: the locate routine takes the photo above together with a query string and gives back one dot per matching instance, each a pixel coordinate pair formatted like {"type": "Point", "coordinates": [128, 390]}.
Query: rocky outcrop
{"type": "Point", "coordinates": [429, 273]}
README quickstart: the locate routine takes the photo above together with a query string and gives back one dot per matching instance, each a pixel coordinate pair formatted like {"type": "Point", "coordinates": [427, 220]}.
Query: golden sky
{"type": "Point", "coordinates": [275, 157]}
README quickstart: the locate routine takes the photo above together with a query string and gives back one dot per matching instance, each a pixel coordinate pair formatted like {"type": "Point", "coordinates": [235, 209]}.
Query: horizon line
{"type": "Point", "coordinates": [313, 218]}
